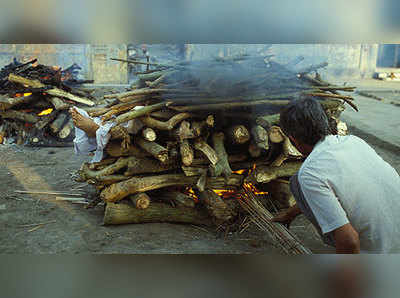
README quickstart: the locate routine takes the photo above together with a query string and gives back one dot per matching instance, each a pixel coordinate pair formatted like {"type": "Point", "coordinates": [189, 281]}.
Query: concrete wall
{"type": "Point", "coordinates": [94, 59]}
{"type": "Point", "coordinates": [345, 60]}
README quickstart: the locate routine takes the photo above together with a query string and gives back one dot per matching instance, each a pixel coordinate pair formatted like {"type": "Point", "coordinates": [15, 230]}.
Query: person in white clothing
{"type": "Point", "coordinates": [349, 193]}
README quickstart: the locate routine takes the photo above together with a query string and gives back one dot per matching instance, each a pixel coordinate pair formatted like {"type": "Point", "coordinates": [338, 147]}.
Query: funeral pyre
{"type": "Point", "coordinates": [34, 103]}
{"type": "Point", "coordinates": [198, 135]}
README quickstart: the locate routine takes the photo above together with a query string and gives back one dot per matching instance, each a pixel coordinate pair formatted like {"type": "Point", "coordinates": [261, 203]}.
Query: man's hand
{"type": "Point", "coordinates": [286, 217]}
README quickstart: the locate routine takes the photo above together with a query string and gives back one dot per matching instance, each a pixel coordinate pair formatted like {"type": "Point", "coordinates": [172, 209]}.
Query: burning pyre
{"type": "Point", "coordinates": [34, 103]}
{"type": "Point", "coordinates": [204, 137]}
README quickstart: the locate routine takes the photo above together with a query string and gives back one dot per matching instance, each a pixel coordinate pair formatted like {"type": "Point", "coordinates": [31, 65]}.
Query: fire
{"type": "Point", "coordinates": [22, 94]}
{"type": "Point", "coordinates": [190, 192]}
{"type": "Point", "coordinates": [240, 172]}
{"type": "Point", "coordinates": [45, 112]}
{"type": "Point", "coordinates": [224, 193]}
{"type": "Point", "coordinates": [253, 189]}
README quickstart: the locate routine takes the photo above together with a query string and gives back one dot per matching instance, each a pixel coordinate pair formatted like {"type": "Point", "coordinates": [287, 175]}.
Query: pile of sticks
{"type": "Point", "coordinates": [34, 103]}
{"type": "Point", "coordinates": [190, 147]}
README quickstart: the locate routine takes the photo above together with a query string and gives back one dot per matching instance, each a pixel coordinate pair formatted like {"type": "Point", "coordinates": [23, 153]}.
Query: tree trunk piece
{"type": "Point", "coordinates": [156, 150]}
{"type": "Point", "coordinates": [58, 123]}
{"type": "Point", "coordinates": [123, 213]}
{"type": "Point", "coordinates": [187, 153]}
{"type": "Point", "coordinates": [222, 167]}
{"type": "Point", "coordinates": [140, 200]}
{"type": "Point", "coordinates": [209, 152]}
{"type": "Point", "coordinates": [168, 125]}
{"type": "Point", "coordinates": [215, 206]}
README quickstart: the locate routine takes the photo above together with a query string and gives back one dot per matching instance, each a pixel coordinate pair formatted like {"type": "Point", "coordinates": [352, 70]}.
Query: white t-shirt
{"type": "Point", "coordinates": [344, 180]}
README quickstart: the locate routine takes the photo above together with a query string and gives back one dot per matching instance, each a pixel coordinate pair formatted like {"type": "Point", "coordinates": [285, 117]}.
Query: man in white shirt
{"type": "Point", "coordinates": [349, 193]}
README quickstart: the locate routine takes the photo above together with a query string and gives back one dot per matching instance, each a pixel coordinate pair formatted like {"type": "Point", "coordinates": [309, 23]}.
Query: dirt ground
{"type": "Point", "coordinates": [70, 228]}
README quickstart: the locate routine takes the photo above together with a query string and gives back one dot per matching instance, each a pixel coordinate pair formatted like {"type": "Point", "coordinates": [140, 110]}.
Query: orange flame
{"type": "Point", "coordinates": [224, 193]}
{"type": "Point", "coordinates": [22, 94]}
{"type": "Point", "coordinates": [240, 172]}
{"type": "Point", "coordinates": [45, 112]}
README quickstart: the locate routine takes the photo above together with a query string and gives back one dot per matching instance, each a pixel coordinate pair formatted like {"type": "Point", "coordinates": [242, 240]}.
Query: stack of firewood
{"type": "Point", "coordinates": [34, 103]}
{"type": "Point", "coordinates": [193, 145]}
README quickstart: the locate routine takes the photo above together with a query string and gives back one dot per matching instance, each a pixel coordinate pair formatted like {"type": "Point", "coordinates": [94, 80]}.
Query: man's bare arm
{"type": "Point", "coordinates": [347, 240]}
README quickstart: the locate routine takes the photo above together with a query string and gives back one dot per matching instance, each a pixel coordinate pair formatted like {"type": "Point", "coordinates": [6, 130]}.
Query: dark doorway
{"type": "Point", "coordinates": [389, 56]}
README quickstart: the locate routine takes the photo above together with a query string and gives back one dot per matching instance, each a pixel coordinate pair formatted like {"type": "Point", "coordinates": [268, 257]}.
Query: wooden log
{"type": "Point", "coordinates": [67, 130]}
{"type": "Point", "coordinates": [97, 112]}
{"type": "Point", "coordinates": [3, 133]}
{"type": "Point", "coordinates": [146, 165]}
{"type": "Point", "coordinates": [163, 114]}
{"type": "Point", "coordinates": [232, 182]}
{"type": "Point", "coordinates": [58, 103]}
{"type": "Point", "coordinates": [120, 132]}
{"type": "Point", "coordinates": [45, 120]}
{"type": "Point", "coordinates": [254, 150]}
{"type": "Point", "coordinates": [199, 127]}
{"type": "Point", "coordinates": [194, 171]}
{"type": "Point", "coordinates": [267, 121]}
{"type": "Point", "coordinates": [58, 123]}
{"type": "Point", "coordinates": [183, 132]}
{"type": "Point", "coordinates": [149, 134]}
{"type": "Point", "coordinates": [215, 206]}
{"type": "Point", "coordinates": [54, 91]}
{"type": "Point", "coordinates": [138, 113]}
{"type": "Point", "coordinates": [202, 181]}
{"type": "Point", "coordinates": [186, 152]}
{"type": "Point", "coordinates": [115, 149]}
{"type": "Point", "coordinates": [288, 151]}
{"type": "Point", "coordinates": [159, 80]}
{"type": "Point", "coordinates": [123, 213]}
{"type": "Point", "coordinates": [142, 91]}
{"type": "Point", "coordinates": [134, 126]}
{"type": "Point", "coordinates": [222, 166]}
{"type": "Point", "coordinates": [87, 174]}
{"type": "Point", "coordinates": [265, 174]}
{"type": "Point", "coordinates": [238, 134]}
{"type": "Point", "coordinates": [7, 103]}
{"type": "Point", "coordinates": [136, 99]}
{"type": "Point", "coordinates": [228, 105]}
{"type": "Point", "coordinates": [177, 198]}
{"type": "Point", "coordinates": [101, 164]}
{"type": "Point", "coordinates": [151, 76]}
{"type": "Point", "coordinates": [209, 152]}
{"type": "Point", "coordinates": [118, 109]}
{"type": "Point", "coordinates": [107, 180]}
{"type": "Point", "coordinates": [347, 99]}
{"type": "Point", "coordinates": [140, 200]}
{"type": "Point", "coordinates": [156, 150]}
{"type": "Point", "coordinates": [135, 62]}
{"type": "Point", "coordinates": [168, 125]}
{"type": "Point", "coordinates": [17, 115]}
{"type": "Point", "coordinates": [234, 158]}
{"type": "Point", "coordinates": [275, 135]}
{"type": "Point", "coordinates": [260, 137]}
{"type": "Point", "coordinates": [134, 185]}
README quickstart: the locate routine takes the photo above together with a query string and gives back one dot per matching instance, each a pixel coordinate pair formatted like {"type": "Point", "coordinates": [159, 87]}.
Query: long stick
{"type": "Point", "coordinates": [137, 62]}
{"type": "Point", "coordinates": [138, 113]}
{"type": "Point", "coordinates": [54, 91]}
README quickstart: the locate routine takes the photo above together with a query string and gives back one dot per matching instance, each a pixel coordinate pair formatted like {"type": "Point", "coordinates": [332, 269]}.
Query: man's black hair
{"type": "Point", "coordinates": [305, 120]}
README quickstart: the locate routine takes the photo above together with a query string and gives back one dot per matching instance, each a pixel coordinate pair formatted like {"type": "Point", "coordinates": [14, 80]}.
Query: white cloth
{"type": "Point", "coordinates": [344, 180]}
{"type": "Point", "coordinates": [83, 144]}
